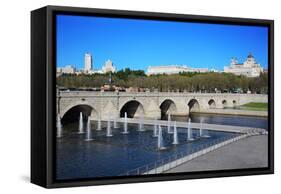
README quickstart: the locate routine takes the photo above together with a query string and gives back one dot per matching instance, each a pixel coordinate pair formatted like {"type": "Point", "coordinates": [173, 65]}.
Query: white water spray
{"type": "Point", "coordinates": [125, 131]}
{"type": "Point", "coordinates": [115, 122]}
{"type": "Point", "coordinates": [169, 123]}
{"type": "Point", "coordinates": [81, 123]}
{"type": "Point", "coordinates": [175, 137]}
{"type": "Point", "coordinates": [99, 123]}
{"type": "Point", "coordinates": [201, 128]}
{"type": "Point", "coordinates": [108, 129]}
{"type": "Point", "coordinates": [59, 126]}
{"type": "Point", "coordinates": [189, 131]}
{"type": "Point", "coordinates": [141, 123]}
{"type": "Point", "coordinates": [88, 131]}
{"type": "Point", "coordinates": [155, 129]}
{"type": "Point", "coordinates": [160, 144]}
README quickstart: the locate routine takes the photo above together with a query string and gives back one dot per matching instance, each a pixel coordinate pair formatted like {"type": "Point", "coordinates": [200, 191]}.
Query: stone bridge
{"type": "Point", "coordinates": [151, 105]}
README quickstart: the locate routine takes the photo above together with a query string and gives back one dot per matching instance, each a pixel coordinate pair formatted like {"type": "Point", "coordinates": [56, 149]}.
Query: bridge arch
{"type": "Point", "coordinates": [224, 103]}
{"type": "Point", "coordinates": [71, 114]}
{"type": "Point", "coordinates": [168, 106]}
{"type": "Point", "coordinates": [234, 102]}
{"type": "Point", "coordinates": [193, 105]}
{"type": "Point", "coordinates": [133, 108]}
{"type": "Point", "coordinates": [212, 103]}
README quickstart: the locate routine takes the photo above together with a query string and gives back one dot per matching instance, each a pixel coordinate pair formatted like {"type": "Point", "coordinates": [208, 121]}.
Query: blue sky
{"type": "Point", "coordinates": [138, 44]}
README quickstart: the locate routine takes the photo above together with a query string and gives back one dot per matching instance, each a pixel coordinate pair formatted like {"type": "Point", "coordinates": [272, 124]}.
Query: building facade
{"type": "Point", "coordinates": [249, 68]}
{"type": "Point", "coordinates": [69, 69]}
{"type": "Point", "coordinates": [173, 69]}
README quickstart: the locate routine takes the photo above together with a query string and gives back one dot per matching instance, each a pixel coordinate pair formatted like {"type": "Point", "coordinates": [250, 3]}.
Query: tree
{"type": "Point", "coordinates": [192, 82]}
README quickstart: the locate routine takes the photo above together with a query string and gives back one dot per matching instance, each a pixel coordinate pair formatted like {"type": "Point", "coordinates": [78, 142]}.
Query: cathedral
{"type": "Point", "coordinates": [249, 68]}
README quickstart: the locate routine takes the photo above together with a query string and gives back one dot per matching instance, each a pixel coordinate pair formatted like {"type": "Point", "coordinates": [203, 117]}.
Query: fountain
{"type": "Point", "coordinates": [201, 128]}
{"type": "Point", "coordinates": [155, 130]}
{"type": "Point", "coordinates": [203, 133]}
{"type": "Point", "coordinates": [169, 124]}
{"type": "Point", "coordinates": [160, 145]}
{"type": "Point", "coordinates": [81, 124]}
{"type": "Point", "coordinates": [99, 124]}
{"type": "Point", "coordinates": [108, 129]}
{"type": "Point", "coordinates": [125, 124]}
{"type": "Point", "coordinates": [115, 122]}
{"type": "Point", "coordinates": [175, 138]}
{"type": "Point", "coordinates": [59, 126]}
{"type": "Point", "coordinates": [141, 123]}
{"type": "Point", "coordinates": [189, 131]}
{"type": "Point", "coordinates": [88, 132]}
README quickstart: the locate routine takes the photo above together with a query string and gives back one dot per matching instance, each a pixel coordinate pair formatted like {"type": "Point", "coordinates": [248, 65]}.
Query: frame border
{"type": "Point", "coordinates": [50, 97]}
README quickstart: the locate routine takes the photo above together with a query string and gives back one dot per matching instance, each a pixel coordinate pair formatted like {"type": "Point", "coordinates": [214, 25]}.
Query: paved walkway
{"type": "Point", "coordinates": [246, 153]}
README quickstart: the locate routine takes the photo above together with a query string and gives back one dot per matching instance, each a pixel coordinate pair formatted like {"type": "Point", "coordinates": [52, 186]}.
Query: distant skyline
{"type": "Point", "coordinates": [137, 44]}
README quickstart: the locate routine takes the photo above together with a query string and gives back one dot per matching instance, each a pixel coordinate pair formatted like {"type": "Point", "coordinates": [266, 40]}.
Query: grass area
{"type": "Point", "coordinates": [255, 106]}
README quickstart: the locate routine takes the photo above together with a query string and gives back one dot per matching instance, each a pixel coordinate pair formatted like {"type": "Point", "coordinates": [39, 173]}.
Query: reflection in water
{"type": "Point", "coordinates": [235, 120]}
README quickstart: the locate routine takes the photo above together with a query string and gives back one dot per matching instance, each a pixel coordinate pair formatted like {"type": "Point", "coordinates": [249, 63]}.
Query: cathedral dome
{"type": "Point", "coordinates": [250, 55]}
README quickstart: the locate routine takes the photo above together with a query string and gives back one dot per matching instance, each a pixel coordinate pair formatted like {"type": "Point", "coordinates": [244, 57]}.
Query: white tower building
{"type": "Point", "coordinates": [88, 63]}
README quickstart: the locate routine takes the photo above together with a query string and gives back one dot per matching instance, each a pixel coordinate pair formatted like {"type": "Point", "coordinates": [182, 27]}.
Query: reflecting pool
{"type": "Point", "coordinates": [121, 153]}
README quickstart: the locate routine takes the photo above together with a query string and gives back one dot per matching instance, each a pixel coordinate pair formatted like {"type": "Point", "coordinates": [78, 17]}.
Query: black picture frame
{"type": "Point", "coordinates": [43, 98]}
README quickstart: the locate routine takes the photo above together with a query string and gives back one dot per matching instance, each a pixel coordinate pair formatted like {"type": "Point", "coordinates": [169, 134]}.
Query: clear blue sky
{"type": "Point", "coordinates": [138, 44]}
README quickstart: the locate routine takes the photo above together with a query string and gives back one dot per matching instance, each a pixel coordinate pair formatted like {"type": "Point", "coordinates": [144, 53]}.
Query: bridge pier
{"type": "Point", "coordinates": [153, 114]}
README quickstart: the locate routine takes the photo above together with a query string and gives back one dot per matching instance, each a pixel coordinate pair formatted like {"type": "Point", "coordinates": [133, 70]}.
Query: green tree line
{"type": "Point", "coordinates": [190, 82]}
